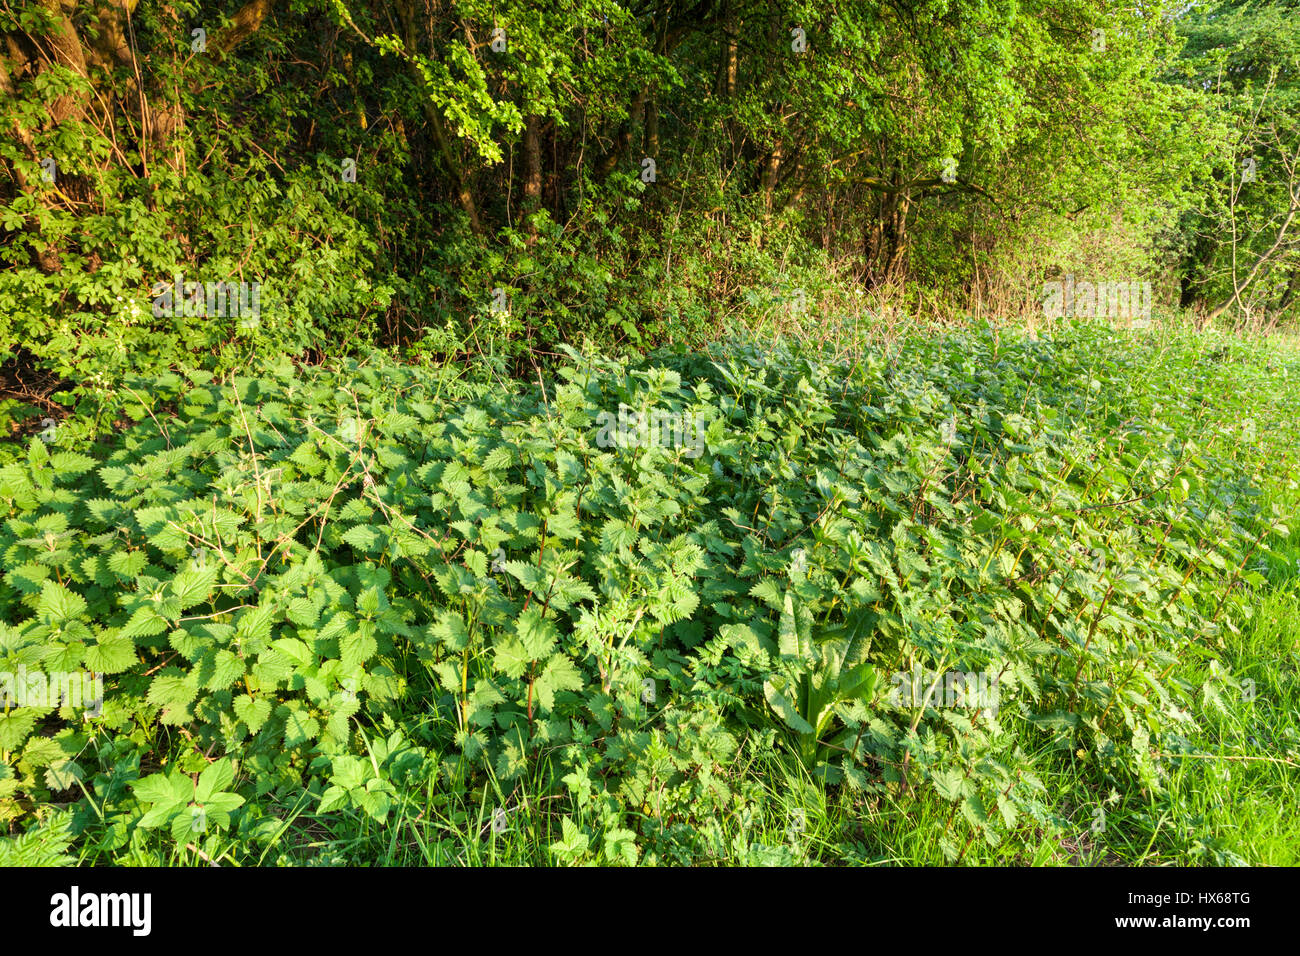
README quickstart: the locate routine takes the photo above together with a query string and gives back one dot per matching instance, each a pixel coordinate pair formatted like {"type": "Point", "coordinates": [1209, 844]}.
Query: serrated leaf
{"type": "Point", "coordinates": [252, 712]}
{"type": "Point", "coordinates": [58, 605]}
{"type": "Point", "coordinates": [194, 585]}
{"type": "Point", "coordinates": [110, 654]}
{"type": "Point", "coordinates": [558, 674]}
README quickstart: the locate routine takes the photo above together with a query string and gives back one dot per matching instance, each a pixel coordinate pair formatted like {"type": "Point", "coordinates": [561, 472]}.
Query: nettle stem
{"type": "Point", "coordinates": [531, 679]}
{"type": "Point", "coordinates": [541, 552]}
{"type": "Point", "coordinates": [1237, 574]}
{"type": "Point", "coordinates": [1092, 628]}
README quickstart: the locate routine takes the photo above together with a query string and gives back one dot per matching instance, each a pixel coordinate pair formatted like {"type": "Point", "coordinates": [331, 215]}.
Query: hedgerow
{"type": "Point", "coordinates": [322, 590]}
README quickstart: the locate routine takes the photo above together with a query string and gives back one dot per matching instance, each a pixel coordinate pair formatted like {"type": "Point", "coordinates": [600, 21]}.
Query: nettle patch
{"type": "Point", "coordinates": [327, 589]}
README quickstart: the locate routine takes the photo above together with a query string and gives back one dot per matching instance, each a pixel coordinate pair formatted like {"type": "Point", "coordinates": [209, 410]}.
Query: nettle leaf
{"type": "Point", "coordinates": [537, 634]}
{"type": "Point", "coordinates": [527, 574]}
{"type": "Point", "coordinates": [194, 585]}
{"type": "Point", "coordinates": [127, 565]}
{"type": "Point", "coordinates": [511, 657]}
{"type": "Point", "coordinates": [28, 578]}
{"type": "Point", "coordinates": [448, 675]}
{"type": "Point", "coordinates": [559, 674]}
{"type": "Point", "coordinates": [365, 538]}
{"type": "Point", "coordinates": [564, 525]}
{"type": "Point", "coordinates": [64, 775]}
{"type": "Point", "coordinates": [189, 643]}
{"type": "Point", "coordinates": [299, 726]}
{"type": "Point", "coordinates": [499, 458]}
{"type": "Point", "coordinates": [226, 668]}
{"type": "Point", "coordinates": [110, 654]}
{"type": "Point", "coordinates": [173, 692]}
{"type": "Point", "coordinates": [160, 527]}
{"type": "Point", "coordinates": [15, 727]}
{"type": "Point", "coordinates": [383, 683]}
{"type": "Point", "coordinates": [295, 650]}
{"type": "Point", "coordinates": [358, 645]}
{"type": "Point", "coordinates": [42, 751]}
{"type": "Point", "coordinates": [253, 712]}
{"type": "Point", "coordinates": [254, 624]}
{"type": "Point", "coordinates": [371, 601]}
{"type": "Point", "coordinates": [145, 622]}
{"type": "Point", "coordinates": [304, 611]}
{"type": "Point", "coordinates": [477, 562]}
{"type": "Point", "coordinates": [59, 605]}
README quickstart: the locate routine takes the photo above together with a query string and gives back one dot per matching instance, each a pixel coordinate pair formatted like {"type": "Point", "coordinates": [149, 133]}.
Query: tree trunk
{"type": "Point", "coordinates": [771, 173]}
{"type": "Point", "coordinates": [652, 128]}
{"type": "Point", "coordinates": [728, 69]}
{"type": "Point", "coordinates": [460, 180]}
{"type": "Point", "coordinates": [623, 141]}
{"type": "Point", "coordinates": [532, 174]}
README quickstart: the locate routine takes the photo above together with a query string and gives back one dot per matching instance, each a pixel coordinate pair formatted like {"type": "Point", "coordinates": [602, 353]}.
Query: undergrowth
{"type": "Point", "coordinates": [673, 609]}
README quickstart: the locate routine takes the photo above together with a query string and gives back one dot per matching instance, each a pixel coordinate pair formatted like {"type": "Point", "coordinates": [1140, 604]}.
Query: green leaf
{"type": "Point", "coordinates": [227, 668]}
{"type": "Point", "coordinates": [193, 585]}
{"type": "Point", "coordinates": [145, 622]}
{"type": "Point", "coordinates": [365, 538]}
{"type": "Point", "coordinates": [299, 727]}
{"type": "Point", "coordinates": [252, 712]}
{"type": "Point", "coordinates": [15, 727]}
{"type": "Point", "coordinates": [573, 842]}
{"type": "Point", "coordinates": [951, 784]}
{"type": "Point", "coordinates": [359, 645]}
{"type": "Point", "coordinates": [58, 605]}
{"type": "Point", "coordinates": [215, 777]}
{"type": "Point", "coordinates": [785, 709]}
{"type": "Point", "coordinates": [537, 634]}
{"type": "Point", "coordinates": [127, 564]}
{"type": "Point", "coordinates": [558, 674]}
{"type": "Point", "coordinates": [111, 654]}
{"type": "Point", "coordinates": [620, 846]}
{"type": "Point", "coordinates": [171, 691]}
{"type": "Point", "coordinates": [510, 657]}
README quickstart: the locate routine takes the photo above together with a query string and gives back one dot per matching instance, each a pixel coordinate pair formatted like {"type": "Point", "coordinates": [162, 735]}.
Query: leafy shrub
{"type": "Point", "coordinates": [339, 585]}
